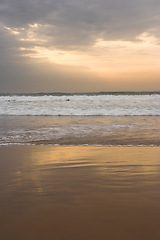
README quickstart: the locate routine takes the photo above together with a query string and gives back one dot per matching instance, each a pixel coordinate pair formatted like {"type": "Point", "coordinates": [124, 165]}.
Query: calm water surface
{"type": "Point", "coordinates": [66, 193]}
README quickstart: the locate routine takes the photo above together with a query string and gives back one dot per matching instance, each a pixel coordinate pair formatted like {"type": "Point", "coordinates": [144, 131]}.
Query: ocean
{"type": "Point", "coordinates": [80, 166]}
{"type": "Point", "coordinates": [90, 119]}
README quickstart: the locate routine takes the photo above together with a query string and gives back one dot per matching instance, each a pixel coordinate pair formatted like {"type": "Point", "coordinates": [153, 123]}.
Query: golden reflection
{"type": "Point", "coordinates": [62, 157]}
{"type": "Point", "coordinates": [111, 167]}
{"type": "Point", "coordinates": [47, 167]}
{"type": "Point", "coordinates": [110, 189]}
{"type": "Point", "coordinates": [102, 157]}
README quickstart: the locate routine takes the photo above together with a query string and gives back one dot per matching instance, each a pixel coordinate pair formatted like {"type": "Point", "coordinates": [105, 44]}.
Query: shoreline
{"type": "Point", "coordinates": [101, 131]}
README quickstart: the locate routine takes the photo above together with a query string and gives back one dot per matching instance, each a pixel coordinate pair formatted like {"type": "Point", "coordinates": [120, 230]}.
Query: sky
{"type": "Point", "coordinates": [79, 45]}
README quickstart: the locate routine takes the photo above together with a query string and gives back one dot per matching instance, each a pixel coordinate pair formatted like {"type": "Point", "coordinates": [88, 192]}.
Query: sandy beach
{"type": "Point", "coordinates": [88, 193]}
{"type": "Point", "coordinates": [79, 120]}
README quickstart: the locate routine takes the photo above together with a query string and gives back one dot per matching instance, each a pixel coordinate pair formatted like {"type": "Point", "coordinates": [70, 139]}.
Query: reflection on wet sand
{"type": "Point", "coordinates": [66, 193]}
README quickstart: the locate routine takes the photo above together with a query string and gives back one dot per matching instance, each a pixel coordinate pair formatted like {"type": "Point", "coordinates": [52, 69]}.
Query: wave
{"type": "Point", "coordinates": [79, 145]}
{"type": "Point", "coordinates": [114, 131]}
{"type": "Point", "coordinates": [82, 93]}
{"type": "Point", "coordinates": [81, 105]}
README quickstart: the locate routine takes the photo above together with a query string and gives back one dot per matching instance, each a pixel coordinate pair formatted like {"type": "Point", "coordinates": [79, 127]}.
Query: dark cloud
{"type": "Point", "coordinates": [73, 23]}
{"type": "Point", "coordinates": [25, 77]}
{"type": "Point", "coordinates": [66, 25]}
{"type": "Point", "coordinates": [21, 74]}
{"type": "Point", "coordinates": [8, 47]}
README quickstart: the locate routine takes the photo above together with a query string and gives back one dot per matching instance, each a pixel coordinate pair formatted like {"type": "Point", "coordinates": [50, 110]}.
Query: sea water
{"type": "Point", "coordinates": [84, 190]}
{"type": "Point", "coordinates": [111, 119]}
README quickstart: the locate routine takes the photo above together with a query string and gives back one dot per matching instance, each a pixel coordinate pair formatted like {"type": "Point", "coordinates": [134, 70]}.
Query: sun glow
{"type": "Point", "coordinates": [102, 57]}
{"type": "Point", "coordinates": [105, 56]}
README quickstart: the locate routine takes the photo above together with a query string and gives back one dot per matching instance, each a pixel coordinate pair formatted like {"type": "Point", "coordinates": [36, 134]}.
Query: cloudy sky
{"type": "Point", "coordinates": [79, 45]}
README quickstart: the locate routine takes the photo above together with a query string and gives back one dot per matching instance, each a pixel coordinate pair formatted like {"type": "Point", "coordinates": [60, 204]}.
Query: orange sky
{"type": "Point", "coordinates": [59, 54]}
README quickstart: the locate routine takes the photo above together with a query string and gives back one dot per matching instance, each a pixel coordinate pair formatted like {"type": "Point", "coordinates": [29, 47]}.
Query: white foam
{"type": "Point", "coordinates": [83, 105]}
{"type": "Point", "coordinates": [79, 145]}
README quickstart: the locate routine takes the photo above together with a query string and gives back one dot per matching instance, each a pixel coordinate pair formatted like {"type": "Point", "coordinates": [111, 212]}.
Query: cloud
{"type": "Point", "coordinates": [75, 23]}
{"type": "Point", "coordinates": [84, 40]}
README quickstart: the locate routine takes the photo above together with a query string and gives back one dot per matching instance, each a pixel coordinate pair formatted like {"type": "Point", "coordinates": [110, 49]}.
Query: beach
{"type": "Point", "coordinates": [79, 120]}
{"type": "Point", "coordinates": [75, 192]}
{"type": "Point", "coordinates": [80, 130]}
{"type": "Point", "coordinates": [80, 166]}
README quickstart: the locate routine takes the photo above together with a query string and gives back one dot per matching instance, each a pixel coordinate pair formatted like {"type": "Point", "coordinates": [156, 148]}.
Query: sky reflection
{"type": "Point", "coordinates": [79, 192]}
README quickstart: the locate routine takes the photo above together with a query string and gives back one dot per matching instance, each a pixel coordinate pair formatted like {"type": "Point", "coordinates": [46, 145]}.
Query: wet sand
{"type": "Point", "coordinates": [75, 193]}
{"type": "Point", "coordinates": [105, 131]}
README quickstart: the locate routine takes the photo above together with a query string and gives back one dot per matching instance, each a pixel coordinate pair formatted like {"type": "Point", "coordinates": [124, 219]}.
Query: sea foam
{"type": "Point", "coordinates": [81, 105]}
